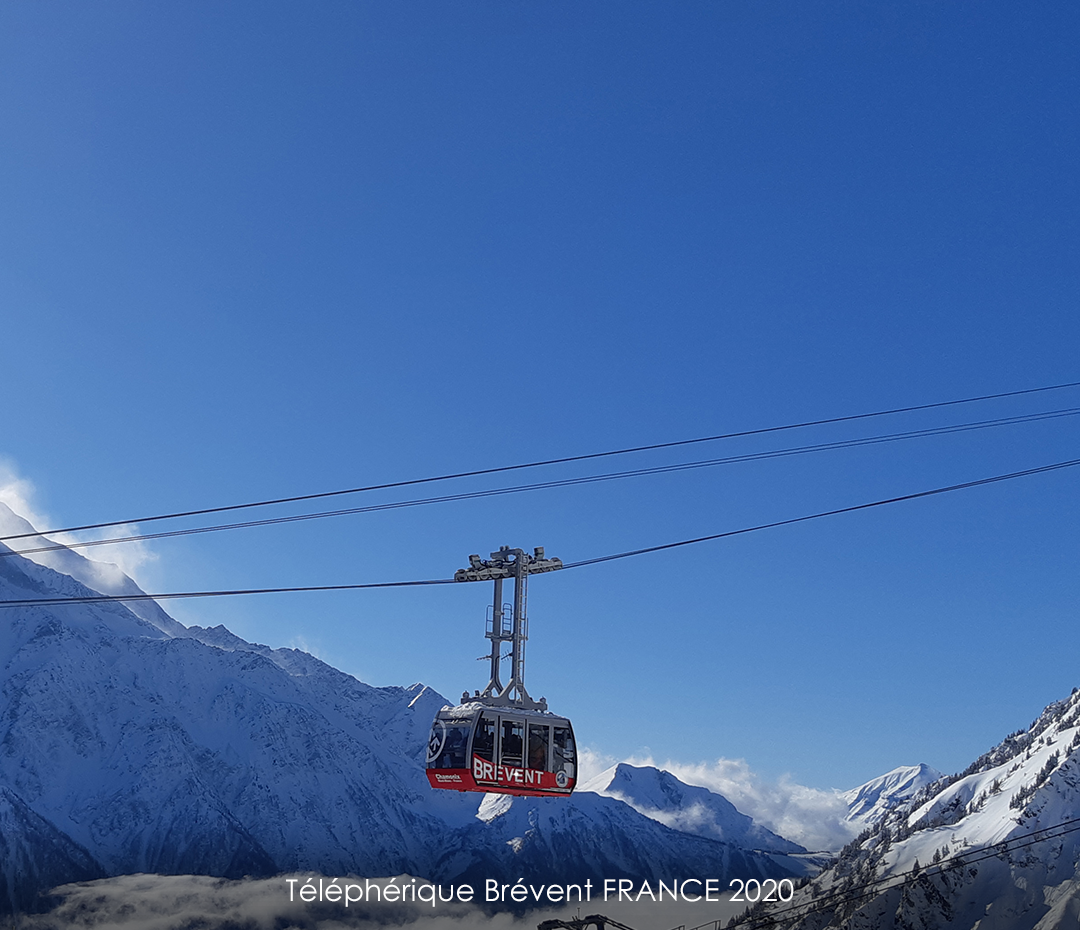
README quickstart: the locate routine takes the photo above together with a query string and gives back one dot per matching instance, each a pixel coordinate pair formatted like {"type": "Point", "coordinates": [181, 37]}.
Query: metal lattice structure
{"type": "Point", "coordinates": [517, 565]}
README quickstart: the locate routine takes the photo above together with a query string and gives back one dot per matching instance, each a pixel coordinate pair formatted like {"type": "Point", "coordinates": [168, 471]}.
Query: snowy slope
{"type": "Point", "coordinates": [662, 797]}
{"type": "Point", "coordinates": [985, 848]}
{"type": "Point", "coordinates": [137, 745]}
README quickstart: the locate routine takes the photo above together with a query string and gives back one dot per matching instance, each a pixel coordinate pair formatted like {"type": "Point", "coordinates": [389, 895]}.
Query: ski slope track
{"type": "Point", "coordinates": [131, 743]}
{"type": "Point", "coordinates": [959, 854]}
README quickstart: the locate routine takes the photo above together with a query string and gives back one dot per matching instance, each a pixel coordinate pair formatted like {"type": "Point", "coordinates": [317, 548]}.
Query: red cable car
{"type": "Point", "coordinates": [474, 747]}
{"type": "Point", "coordinates": [501, 740]}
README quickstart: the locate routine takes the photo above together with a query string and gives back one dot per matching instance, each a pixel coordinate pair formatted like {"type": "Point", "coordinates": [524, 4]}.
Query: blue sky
{"type": "Point", "coordinates": [253, 250]}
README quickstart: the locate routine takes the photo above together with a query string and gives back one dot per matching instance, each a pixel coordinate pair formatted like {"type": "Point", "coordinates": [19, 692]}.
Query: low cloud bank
{"type": "Point", "coordinates": [170, 902]}
{"type": "Point", "coordinates": [183, 902]}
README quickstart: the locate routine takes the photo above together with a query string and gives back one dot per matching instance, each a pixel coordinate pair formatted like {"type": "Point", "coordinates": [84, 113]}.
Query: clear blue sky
{"type": "Point", "coordinates": [257, 249]}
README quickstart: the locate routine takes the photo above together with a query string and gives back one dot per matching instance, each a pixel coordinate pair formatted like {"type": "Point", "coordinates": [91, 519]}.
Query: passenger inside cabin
{"type": "Point", "coordinates": [538, 747]}
{"type": "Point", "coordinates": [512, 739]}
{"type": "Point", "coordinates": [453, 756]}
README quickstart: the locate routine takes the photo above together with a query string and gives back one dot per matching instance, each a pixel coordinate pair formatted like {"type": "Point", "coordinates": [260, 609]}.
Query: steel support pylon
{"type": "Point", "coordinates": [518, 565]}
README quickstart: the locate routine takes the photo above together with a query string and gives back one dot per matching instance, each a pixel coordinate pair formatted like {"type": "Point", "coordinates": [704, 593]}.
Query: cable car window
{"type": "Point", "coordinates": [512, 744]}
{"type": "Point", "coordinates": [539, 738]}
{"type": "Point", "coordinates": [454, 737]}
{"type": "Point", "coordinates": [484, 740]}
{"type": "Point", "coordinates": [564, 750]}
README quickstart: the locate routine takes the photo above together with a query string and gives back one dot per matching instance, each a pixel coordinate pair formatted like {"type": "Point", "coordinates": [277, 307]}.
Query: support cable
{"type": "Point", "coordinates": [825, 513]}
{"type": "Point", "coordinates": [103, 598]}
{"type": "Point", "coordinates": [558, 483]}
{"type": "Point", "coordinates": [88, 599]}
{"type": "Point", "coordinates": [555, 461]}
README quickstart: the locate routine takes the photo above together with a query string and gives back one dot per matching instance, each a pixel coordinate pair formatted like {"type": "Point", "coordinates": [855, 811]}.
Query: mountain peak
{"type": "Point", "coordinates": [661, 796]}
{"type": "Point", "coordinates": [871, 801]}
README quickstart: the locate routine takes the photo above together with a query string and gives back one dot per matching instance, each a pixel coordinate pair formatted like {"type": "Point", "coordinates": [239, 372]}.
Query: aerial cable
{"type": "Point", "coordinates": [560, 483]}
{"type": "Point", "coordinates": [98, 598]}
{"type": "Point", "coordinates": [555, 461]}
{"type": "Point", "coordinates": [825, 513]}
{"type": "Point", "coordinates": [103, 598]}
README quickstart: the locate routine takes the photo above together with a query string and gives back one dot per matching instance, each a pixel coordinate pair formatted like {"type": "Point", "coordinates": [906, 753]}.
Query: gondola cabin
{"type": "Point", "coordinates": [500, 740]}
{"type": "Point", "coordinates": [476, 747]}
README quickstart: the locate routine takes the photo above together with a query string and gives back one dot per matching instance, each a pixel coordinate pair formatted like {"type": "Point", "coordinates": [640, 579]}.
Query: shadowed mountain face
{"type": "Point", "coordinates": [133, 744]}
{"type": "Point", "coordinates": [35, 856]}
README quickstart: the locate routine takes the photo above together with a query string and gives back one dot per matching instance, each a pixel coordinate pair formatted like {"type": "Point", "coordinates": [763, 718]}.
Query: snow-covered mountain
{"type": "Point", "coordinates": [130, 743]}
{"type": "Point", "coordinates": [171, 754]}
{"type": "Point", "coordinates": [996, 847]}
{"type": "Point", "coordinates": [662, 797]}
{"type": "Point", "coordinates": [871, 801]}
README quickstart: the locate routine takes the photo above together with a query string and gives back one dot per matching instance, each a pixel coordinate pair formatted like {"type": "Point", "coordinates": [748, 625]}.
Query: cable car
{"type": "Point", "coordinates": [474, 747]}
{"type": "Point", "coordinates": [500, 740]}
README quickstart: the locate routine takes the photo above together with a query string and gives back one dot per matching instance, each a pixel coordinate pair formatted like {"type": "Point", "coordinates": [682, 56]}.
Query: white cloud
{"type": "Point", "coordinates": [591, 763]}
{"type": "Point", "coordinates": [19, 493]}
{"type": "Point", "coordinates": [108, 561]}
{"type": "Point", "coordinates": [304, 645]}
